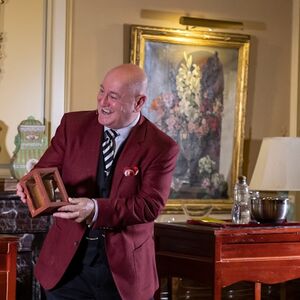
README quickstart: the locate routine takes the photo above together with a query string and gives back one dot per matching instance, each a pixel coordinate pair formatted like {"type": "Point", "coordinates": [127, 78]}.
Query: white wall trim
{"type": "Point", "coordinates": [68, 52]}
{"type": "Point", "coordinates": [57, 57]}
{"type": "Point", "coordinates": [294, 96]}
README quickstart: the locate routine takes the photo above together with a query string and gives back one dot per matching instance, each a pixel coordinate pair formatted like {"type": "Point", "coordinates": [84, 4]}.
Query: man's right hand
{"type": "Point", "coordinates": [20, 193]}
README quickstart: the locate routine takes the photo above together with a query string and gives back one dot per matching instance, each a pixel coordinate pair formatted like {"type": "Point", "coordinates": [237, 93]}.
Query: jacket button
{"type": "Point", "coordinates": [76, 243]}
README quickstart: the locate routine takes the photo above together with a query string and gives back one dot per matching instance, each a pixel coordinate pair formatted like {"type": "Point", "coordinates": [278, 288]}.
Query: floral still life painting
{"type": "Point", "coordinates": [192, 94]}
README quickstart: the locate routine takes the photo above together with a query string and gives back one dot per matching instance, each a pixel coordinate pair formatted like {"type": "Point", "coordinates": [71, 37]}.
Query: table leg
{"type": "Point", "coordinates": [170, 287]}
{"type": "Point", "coordinates": [283, 291]}
{"type": "Point", "coordinates": [257, 291]}
{"type": "Point", "coordinates": [217, 292]}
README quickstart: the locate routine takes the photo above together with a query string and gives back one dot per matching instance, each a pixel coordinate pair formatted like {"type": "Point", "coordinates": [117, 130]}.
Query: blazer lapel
{"type": "Point", "coordinates": [91, 146]}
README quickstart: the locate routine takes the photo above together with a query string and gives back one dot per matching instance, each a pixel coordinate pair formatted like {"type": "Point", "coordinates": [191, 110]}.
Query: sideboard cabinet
{"type": "Point", "coordinates": [8, 267]}
{"type": "Point", "coordinates": [16, 221]}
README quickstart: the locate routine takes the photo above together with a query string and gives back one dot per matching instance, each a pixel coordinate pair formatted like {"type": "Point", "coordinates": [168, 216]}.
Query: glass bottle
{"type": "Point", "coordinates": [240, 213]}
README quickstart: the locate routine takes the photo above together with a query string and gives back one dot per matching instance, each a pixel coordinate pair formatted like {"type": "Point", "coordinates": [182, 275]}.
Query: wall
{"type": "Point", "coordinates": [101, 40]}
{"type": "Point", "coordinates": [22, 76]}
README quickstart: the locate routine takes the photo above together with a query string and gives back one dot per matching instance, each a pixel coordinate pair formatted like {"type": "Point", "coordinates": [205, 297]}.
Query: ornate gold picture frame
{"type": "Point", "coordinates": [197, 94]}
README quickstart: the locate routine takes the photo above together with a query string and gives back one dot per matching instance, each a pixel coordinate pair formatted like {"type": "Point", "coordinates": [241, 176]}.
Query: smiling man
{"type": "Point", "coordinates": [117, 169]}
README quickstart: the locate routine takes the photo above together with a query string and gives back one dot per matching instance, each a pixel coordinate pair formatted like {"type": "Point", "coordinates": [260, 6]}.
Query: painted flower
{"type": "Point", "coordinates": [188, 87]}
{"type": "Point", "coordinates": [206, 165]}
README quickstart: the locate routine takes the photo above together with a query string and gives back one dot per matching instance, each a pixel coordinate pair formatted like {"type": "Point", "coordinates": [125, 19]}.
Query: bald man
{"type": "Point", "coordinates": [117, 169]}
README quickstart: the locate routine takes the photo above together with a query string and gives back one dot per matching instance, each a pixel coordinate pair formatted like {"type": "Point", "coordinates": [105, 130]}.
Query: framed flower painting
{"type": "Point", "coordinates": [197, 95]}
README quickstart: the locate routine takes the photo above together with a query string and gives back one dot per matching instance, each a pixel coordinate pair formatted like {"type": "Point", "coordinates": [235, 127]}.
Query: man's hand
{"type": "Point", "coordinates": [79, 210]}
{"type": "Point", "coordinates": [20, 193]}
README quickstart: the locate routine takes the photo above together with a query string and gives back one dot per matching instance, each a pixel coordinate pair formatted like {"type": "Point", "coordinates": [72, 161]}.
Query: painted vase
{"type": "Point", "coordinates": [31, 142]}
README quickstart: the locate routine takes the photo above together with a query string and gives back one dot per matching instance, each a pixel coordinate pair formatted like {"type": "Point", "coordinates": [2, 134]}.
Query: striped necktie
{"type": "Point", "coordinates": [108, 149]}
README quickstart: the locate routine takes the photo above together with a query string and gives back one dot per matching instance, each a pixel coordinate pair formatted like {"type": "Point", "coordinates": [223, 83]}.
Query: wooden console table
{"type": "Point", "coordinates": [8, 267]}
{"type": "Point", "coordinates": [221, 255]}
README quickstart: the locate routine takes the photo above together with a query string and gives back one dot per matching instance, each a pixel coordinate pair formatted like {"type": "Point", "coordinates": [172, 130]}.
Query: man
{"type": "Point", "coordinates": [100, 246]}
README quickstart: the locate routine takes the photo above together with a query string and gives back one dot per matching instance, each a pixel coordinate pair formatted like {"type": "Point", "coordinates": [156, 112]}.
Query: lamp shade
{"type": "Point", "coordinates": [278, 165]}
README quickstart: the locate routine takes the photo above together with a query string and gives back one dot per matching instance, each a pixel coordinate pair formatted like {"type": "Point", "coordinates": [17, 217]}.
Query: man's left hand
{"type": "Point", "coordinates": [79, 210]}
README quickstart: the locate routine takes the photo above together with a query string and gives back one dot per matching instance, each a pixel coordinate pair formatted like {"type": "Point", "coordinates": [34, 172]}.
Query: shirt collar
{"type": "Point", "coordinates": [124, 132]}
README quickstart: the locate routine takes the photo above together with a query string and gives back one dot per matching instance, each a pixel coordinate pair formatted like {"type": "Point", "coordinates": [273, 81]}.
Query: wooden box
{"type": "Point", "coordinates": [45, 191]}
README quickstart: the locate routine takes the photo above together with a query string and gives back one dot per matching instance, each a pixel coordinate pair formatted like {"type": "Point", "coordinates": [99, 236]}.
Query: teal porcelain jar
{"type": "Point", "coordinates": [31, 142]}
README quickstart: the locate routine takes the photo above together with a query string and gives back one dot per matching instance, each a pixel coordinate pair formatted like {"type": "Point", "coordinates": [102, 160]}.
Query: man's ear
{"type": "Point", "coordinates": [140, 100]}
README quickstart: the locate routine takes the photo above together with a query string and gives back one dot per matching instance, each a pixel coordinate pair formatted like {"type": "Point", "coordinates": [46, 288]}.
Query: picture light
{"type": "Point", "coordinates": [210, 23]}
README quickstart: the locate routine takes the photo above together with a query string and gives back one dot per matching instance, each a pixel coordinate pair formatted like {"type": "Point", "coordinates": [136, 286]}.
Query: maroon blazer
{"type": "Point", "coordinates": [133, 205]}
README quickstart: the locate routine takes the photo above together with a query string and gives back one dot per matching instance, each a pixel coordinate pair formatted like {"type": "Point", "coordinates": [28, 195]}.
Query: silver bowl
{"type": "Point", "coordinates": [269, 209]}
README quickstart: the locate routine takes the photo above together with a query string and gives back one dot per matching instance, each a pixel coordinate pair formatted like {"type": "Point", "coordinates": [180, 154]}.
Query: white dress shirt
{"type": "Point", "coordinates": [123, 133]}
{"type": "Point", "coordinates": [119, 140]}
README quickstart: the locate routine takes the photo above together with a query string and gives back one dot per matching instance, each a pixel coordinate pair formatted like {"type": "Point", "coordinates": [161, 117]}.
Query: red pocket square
{"type": "Point", "coordinates": [128, 171]}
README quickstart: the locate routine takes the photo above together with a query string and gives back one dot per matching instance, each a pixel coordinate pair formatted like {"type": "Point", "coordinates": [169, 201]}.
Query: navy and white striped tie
{"type": "Point", "coordinates": [108, 149]}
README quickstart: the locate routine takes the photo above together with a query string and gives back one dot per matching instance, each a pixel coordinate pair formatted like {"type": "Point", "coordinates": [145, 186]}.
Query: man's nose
{"type": "Point", "coordinates": [103, 99]}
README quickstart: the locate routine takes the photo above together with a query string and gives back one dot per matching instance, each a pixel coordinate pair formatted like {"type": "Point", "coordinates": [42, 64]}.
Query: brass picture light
{"type": "Point", "coordinates": [210, 23]}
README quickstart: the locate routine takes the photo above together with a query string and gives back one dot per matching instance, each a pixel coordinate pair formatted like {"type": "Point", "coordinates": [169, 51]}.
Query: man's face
{"type": "Point", "coordinates": [117, 103]}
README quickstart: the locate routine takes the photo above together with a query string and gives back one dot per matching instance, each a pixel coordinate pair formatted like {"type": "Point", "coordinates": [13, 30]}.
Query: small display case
{"type": "Point", "coordinates": [45, 191]}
